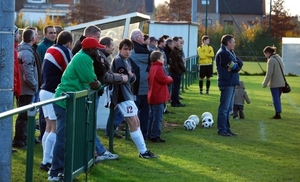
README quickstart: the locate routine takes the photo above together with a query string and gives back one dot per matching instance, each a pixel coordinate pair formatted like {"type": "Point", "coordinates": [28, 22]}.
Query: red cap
{"type": "Point", "coordinates": [91, 42]}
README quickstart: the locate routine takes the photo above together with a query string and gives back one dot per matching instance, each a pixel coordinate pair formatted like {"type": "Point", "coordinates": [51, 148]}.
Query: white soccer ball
{"type": "Point", "coordinates": [207, 122]}
{"type": "Point", "coordinates": [189, 124]}
{"type": "Point", "coordinates": [206, 114]}
{"type": "Point", "coordinates": [194, 118]}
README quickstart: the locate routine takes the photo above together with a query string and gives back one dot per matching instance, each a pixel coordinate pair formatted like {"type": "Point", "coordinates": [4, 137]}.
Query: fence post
{"type": "Point", "coordinates": [30, 143]}
{"type": "Point", "coordinates": [111, 127]}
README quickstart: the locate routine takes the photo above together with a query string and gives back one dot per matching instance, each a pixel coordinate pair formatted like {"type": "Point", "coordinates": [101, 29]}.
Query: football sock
{"type": "Point", "coordinates": [44, 139]}
{"type": "Point", "coordinates": [200, 84]}
{"type": "Point", "coordinates": [48, 150]}
{"type": "Point", "coordinates": [139, 141]}
{"type": "Point", "coordinates": [207, 85]}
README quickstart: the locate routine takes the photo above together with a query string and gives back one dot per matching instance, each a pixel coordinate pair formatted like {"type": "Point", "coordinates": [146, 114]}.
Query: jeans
{"type": "Point", "coordinates": [276, 94]}
{"type": "Point", "coordinates": [175, 88]}
{"type": "Point", "coordinates": [21, 121]}
{"type": "Point", "coordinates": [118, 118]}
{"type": "Point", "coordinates": [100, 149]}
{"type": "Point", "coordinates": [58, 160]}
{"type": "Point", "coordinates": [143, 113]}
{"type": "Point", "coordinates": [155, 120]}
{"type": "Point", "coordinates": [227, 94]}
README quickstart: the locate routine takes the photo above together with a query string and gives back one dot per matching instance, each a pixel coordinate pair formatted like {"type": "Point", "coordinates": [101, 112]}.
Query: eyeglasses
{"type": "Point", "coordinates": [52, 32]}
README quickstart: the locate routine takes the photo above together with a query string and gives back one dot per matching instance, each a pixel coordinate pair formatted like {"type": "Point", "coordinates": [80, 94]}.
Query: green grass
{"type": "Point", "coordinates": [265, 150]}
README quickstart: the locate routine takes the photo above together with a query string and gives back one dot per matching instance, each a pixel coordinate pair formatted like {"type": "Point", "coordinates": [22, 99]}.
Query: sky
{"type": "Point", "coordinates": [292, 5]}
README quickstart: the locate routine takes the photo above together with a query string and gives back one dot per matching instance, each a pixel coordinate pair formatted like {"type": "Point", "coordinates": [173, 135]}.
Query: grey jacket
{"type": "Point", "coordinates": [28, 69]}
{"type": "Point", "coordinates": [121, 92]}
{"type": "Point", "coordinates": [141, 60]}
{"type": "Point", "coordinates": [240, 95]}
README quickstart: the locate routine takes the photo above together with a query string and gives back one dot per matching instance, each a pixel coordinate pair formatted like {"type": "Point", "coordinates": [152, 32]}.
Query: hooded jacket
{"type": "Point", "coordinates": [240, 95]}
{"type": "Point", "coordinates": [28, 69]}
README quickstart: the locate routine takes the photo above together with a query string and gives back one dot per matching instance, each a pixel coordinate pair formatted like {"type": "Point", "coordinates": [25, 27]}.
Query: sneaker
{"type": "Point", "coordinates": [45, 167]}
{"type": "Point", "coordinates": [157, 140]}
{"type": "Point", "coordinates": [52, 178]}
{"type": "Point", "coordinates": [106, 156]}
{"type": "Point", "coordinates": [147, 155]}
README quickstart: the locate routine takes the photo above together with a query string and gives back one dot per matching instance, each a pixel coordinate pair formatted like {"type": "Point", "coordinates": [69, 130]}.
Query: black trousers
{"type": "Point", "coordinates": [21, 122]}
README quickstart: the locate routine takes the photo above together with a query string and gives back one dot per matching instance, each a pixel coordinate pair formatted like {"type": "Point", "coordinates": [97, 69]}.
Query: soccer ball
{"type": "Point", "coordinates": [189, 124]}
{"type": "Point", "coordinates": [194, 118]}
{"type": "Point", "coordinates": [206, 114]}
{"type": "Point", "coordinates": [207, 122]}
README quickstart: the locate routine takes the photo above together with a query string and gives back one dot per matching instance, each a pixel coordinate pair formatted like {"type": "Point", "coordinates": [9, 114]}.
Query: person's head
{"type": "Point", "coordinates": [137, 36]}
{"type": "Point", "coordinates": [269, 50]}
{"type": "Point", "coordinates": [92, 31]}
{"type": "Point", "coordinates": [156, 56]}
{"type": "Point", "coordinates": [28, 36]}
{"type": "Point", "coordinates": [181, 40]}
{"type": "Point", "coordinates": [17, 34]}
{"type": "Point", "coordinates": [177, 42]}
{"type": "Point", "coordinates": [146, 39]}
{"type": "Point", "coordinates": [91, 45]}
{"type": "Point", "coordinates": [161, 42]}
{"type": "Point", "coordinates": [108, 43]}
{"type": "Point", "coordinates": [37, 37]}
{"type": "Point", "coordinates": [205, 39]}
{"type": "Point", "coordinates": [65, 38]}
{"type": "Point", "coordinates": [153, 41]}
{"type": "Point", "coordinates": [165, 36]}
{"type": "Point", "coordinates": [50, 32]}
{"type": "Point", "coordinates": [58, 29]}
{"type": "Point", "coordinates": [125, 48]}
{"type": "Point", "coordinates": [170, 43]}
{"type": "Point", "coordinates": [228, 41]}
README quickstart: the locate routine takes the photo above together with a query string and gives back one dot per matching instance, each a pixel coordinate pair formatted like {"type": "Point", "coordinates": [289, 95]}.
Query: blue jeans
{"type": "Point", "coordinates": [58, 160]}
{"type": "Point", "coordinates": [155, 120]}
{"type": "Point", "coordinates": [175, 88]}
{"type": "Point", "coordinates": [276, 94]}
{"type": "Point", "coordinates": [227, 94]}
{"type": "Point", "coordinates": [143, 113]}
{"type": "Point", "coordinates": [118, 118]}
{"type": "Point", "coordinates": [100, 149]}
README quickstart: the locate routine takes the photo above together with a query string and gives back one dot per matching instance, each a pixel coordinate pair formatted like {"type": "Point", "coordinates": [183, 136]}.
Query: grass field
{"type": "Point", "coordinates": [265, 150]}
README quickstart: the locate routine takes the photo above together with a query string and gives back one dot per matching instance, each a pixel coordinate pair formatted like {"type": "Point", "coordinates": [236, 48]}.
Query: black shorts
{"type": "Point", "coordinates": [205, 71]}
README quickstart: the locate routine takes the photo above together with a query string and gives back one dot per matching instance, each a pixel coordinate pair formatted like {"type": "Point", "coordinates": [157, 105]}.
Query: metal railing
{"type": "Point", "coordinates": [191, 65]}
{"type": "Point", "coordinates": [80, 132]}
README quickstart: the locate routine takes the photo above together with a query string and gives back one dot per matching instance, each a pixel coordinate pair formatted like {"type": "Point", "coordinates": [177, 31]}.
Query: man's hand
{"type": "Point", "coordinates": [124, 78]}
{"type": "Point", "coordinates": [95, 85]}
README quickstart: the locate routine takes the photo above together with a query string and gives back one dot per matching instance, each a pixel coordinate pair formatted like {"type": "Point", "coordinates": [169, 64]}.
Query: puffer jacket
{"type": "Point", "coordinates": [28, 69]}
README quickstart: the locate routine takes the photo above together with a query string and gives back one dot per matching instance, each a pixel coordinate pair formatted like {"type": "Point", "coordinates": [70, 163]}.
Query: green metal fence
{"type": "Point", "coordinates": [80, 132]}
{"type": "Point", "coordinates": [191, 65]}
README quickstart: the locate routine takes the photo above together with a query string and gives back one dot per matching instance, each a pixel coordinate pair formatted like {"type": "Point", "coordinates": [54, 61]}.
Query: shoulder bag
{"type": "Point", "coordinates": [286, 88]}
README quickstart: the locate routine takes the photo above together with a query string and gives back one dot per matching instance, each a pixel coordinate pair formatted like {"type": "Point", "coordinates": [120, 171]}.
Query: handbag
{"type": "Point", "coordinates": [286, 88]}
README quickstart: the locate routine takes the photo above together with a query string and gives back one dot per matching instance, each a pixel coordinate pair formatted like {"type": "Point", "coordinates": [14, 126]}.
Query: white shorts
{"type": "Point", "coordinates": [128, 108]}
{"type": "Point", "coordinates": [47, 109]}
